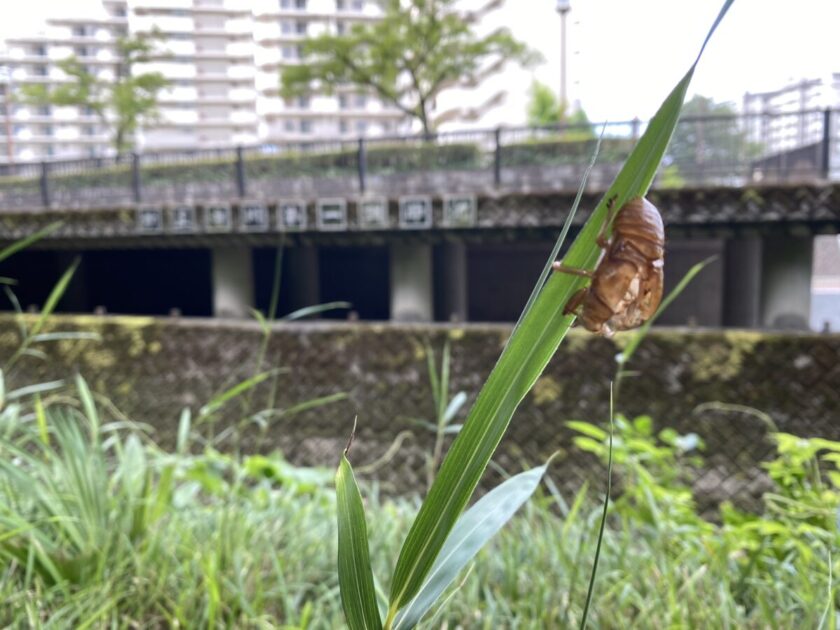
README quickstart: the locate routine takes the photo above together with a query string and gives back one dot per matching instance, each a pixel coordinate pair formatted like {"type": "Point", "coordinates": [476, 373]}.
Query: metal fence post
{"type": "Point", "coordinates": [497, 156]}
{"type": "Point", "coordinates": [136, 192]}
{"type": "Point", "coordinates": [826, 144]}
{"type": "Point", "coordinates": [240, 172]}
{"type": "Point", "coordinates": [361, 160]}
{"type": "Point", "coordinates": [45, 184]}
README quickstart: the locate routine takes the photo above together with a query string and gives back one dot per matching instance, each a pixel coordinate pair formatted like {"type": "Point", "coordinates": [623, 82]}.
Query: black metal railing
{"type": "Point", "coordinates": [732, 150]}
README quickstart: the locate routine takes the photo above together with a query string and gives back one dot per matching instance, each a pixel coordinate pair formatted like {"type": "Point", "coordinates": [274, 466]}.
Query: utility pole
{"type": "Point", "coordinates": [563, 8]}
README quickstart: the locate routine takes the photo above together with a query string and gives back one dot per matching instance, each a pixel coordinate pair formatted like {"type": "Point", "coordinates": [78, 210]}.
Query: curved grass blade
{"type": "Point", "coordinates": [472, 531]}
{"type": "Point", "coordinates": [29, 240]}
{"type": "Point", "coordinates": [355, 578]}
{"type": "Point", "coordinates": [529, 349]}
{"type": "Point", "coordinates": [589, 592]}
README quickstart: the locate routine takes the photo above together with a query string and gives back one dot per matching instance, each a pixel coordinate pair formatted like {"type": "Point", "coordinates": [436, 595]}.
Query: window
{"type": "Point", "coordinates": [87, 110]}
{"type": "Point", "coordinates": [342, 126]}
{"type": "Point", "coordinates": [40, 71]}
{"type": "Point", "coordinates": [289, 125]}
{"type": "Point", "coordinates": [303, 102]}
{"type": "Point", "coordinates": [89, 130]}
{"type": "Point", "coordinates": [342, 101]}
{"type": "Point", "coordinates": [119, 11]}
{"type": "Point", "coordinates": [285, 27]}
{"type": "Point", "coordinates": [79, 31]}
{"type": "Point", "coordinates": [47, 130]}
{"type": "Point", "coordinates": [50, 150]}
{"type": "Point", "coordinates": [81, 51]}
{"type": "Point", "coordinates": [340, 28]}
{"type": "Point", "coordinates": [17, 130]}
{"type": "Point", "coordinates": [340, 5]}
{"type": "Point", "coordinates": [358, 5]}
{"type": "Point", "coordinates": [300, 28]}
{"type": "Point", "coordinates": [306, 126]}
{"type": "Point", "coordinates": [361, 127]}
{"type": "Point", "coordinates": [293, 4]}
{"type": "Point", "coordinates": [360, 101]}
{"type": "Point", "coordinates": [39, 50]}
{"type": "Point", "coordinates": [44, 110]}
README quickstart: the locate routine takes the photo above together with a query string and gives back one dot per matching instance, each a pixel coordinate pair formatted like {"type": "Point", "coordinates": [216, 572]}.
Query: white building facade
{"type": "Point", "coordinates": [223, 59]}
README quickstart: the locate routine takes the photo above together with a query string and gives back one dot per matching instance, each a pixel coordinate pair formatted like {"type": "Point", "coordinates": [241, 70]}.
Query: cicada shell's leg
{"type": "Point", "coordinates": [560, 267]}
{"type": "Point", "coordinates": [575, 301]}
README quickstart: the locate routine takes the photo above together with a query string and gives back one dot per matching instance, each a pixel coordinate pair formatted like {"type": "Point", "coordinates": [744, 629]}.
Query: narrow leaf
{"type": "Point", "coordinates": [603, 524]}
{"type": "Point", "coordinates": [634, 342]}
{"type": "Point", "coordinates": [29, 240]}
{"type": "Point", "coordinates": [529, 349]}
{"type": "Point", "coordinates": [358, 595]}
{"type": "Point", "coordinates": [218, 401]}
{"type": "Point", "coordinates": [54, 297]}
{"type": "Point", "coordinates": [472, 531]}
{"type": "Point", "coordinates": [308, 311]}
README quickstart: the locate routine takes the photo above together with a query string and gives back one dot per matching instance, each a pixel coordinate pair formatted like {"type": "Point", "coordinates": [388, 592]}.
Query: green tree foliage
{"type": "Point", "coordinates": [123, 103]}
{"type": "Point", "coordinates": [544, 108]}
{"type": "Point", "coordinates": [709, 138]}
{"type": "Point", "coordinates": [416, 51]}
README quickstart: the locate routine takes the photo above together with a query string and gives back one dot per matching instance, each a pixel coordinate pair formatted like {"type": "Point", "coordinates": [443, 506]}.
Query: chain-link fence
{"type": "Point", "coordinates": [702, 382]}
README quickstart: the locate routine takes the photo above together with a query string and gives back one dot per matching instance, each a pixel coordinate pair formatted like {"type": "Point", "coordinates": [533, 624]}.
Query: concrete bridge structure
{"type": "Point", "coordinates": [453, 228]}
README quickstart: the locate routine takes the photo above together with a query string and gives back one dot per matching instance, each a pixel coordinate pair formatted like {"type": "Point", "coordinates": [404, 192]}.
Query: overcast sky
{"type": "Point", "coordinates": [625, 55]}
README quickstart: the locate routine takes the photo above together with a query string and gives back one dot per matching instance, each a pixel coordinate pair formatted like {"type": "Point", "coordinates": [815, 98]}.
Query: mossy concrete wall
{"type": "Point", "coordinates": [152, 368]}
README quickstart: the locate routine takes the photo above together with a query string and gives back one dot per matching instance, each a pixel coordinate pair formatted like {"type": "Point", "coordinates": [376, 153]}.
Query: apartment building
{"type": "Point", "coordinates": [223, 59]}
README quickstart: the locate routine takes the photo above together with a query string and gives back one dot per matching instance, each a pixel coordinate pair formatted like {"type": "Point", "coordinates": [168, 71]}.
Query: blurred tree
{"type": "Point", "coordinates": [121, 103]}
{"type": "Point", "coordinates": [709, 138]}
{"type": "Point", "coordinates": [544, 108]}
{"type": "Point", "coordinates": [418, 49]}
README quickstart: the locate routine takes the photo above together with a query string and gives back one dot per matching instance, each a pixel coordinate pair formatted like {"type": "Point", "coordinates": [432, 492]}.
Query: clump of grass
{"type": "Point", "coordinates": [100, 528]}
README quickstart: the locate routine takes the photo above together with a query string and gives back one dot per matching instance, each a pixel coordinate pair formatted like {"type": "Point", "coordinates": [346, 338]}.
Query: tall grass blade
{"type": "Point", "coordinates": [217, 402]}
{"type": "Point", "coordinates": [589, 592]}
{"type": "Point", "coordinates": [28, 240]}
{"type": "Point", "coordinates": [358, 594]}
{"type": "Point", "coordinates": [309, 311]}
{"type": "Point", "coordinates": [54, 297]}
{"type": "Point", "coordinates": [529, 349]}
{"type": "Point", "coordinates": [472, 531]}
{"type": "Point", "coordinates": [642, 332]}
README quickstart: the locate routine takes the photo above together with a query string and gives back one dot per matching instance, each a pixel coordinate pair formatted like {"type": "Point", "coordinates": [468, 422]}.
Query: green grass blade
{"type": "Point", "coordinates": [358, 594]}
{"type": "Point", "coordinates": [472, 531]}
{"type": "Point", "coordinates": [317, 309]}
{"type": "Point", "coordinates": [642, 332]}
{"type": "Point", "coordinates": [229, 394]}
{"type": "Point", "coordinates": [589, 592]}
{"type": "Point", "coordinates": [529, 349]}
{"type": "Point", "coordinates": [54, 297]}
{"type": "Point", "coordinates": [29, 240]}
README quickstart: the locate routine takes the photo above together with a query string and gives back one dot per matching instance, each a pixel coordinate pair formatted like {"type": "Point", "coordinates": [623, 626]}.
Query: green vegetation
{"type": "Point", "coordinates": [419, 49]}
{"type": "Point", "coordinates": [100, 528]}
{"type": "Point", "coordinates": [121, 103]}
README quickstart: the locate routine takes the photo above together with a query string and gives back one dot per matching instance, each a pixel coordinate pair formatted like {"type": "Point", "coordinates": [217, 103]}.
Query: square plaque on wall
{"type": "Point", "coordinates": [372, 213]}
{"type": "Point", "coordinates": [332, 214]}
{"type": "Point", "coordinates": [459, 211]}
{"type": "Point", "coordinates": [253, 217]}
{"type": "Point", "coordinates": [415, 212]}
{"type": "Point", "coordinates": [150, 219]}
{"type": "Point", "coordinates": [218, 218]}
{"type": "Point", "coordinates": [182, 219]}
{"type": "Point", "coordinates": [291, 215]}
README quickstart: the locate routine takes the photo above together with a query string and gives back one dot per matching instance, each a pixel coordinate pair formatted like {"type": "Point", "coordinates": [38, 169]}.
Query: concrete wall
{"type": "Point", "coordinates": [150, 369]}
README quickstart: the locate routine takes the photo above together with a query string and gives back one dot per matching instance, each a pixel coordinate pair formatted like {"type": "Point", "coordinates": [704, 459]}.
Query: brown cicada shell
{"type": "Point", "coordinates": [627, 283]}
